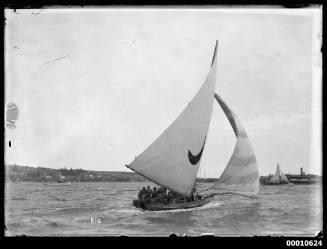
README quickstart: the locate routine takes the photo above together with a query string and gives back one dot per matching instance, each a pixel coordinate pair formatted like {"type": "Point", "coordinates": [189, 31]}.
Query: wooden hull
{"type": "Point", "coordinates": [172, 206]}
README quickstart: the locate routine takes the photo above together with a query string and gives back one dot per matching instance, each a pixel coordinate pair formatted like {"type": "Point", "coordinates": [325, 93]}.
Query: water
{"type": "Point", "coordinates": [36, 209]}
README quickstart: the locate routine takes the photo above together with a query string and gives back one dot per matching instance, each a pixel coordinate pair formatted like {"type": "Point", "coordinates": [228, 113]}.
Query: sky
{"type": "Point", "coordinates": [95, 87]}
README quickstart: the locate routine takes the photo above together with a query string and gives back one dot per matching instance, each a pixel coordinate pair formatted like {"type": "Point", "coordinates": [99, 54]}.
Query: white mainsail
{"type": "Point", "coordinates": [279, 176]}
{"type": "Point", "coordinates": [241, 173]}
{"type": "Point", "coordinates": [173, 159]}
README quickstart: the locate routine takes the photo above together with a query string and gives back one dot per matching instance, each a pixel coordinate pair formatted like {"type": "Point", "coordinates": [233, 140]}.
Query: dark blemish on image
{"type": "Point", "coordinates": [10, 144]}
{"type": "Point", "coordinates": [11, 115]}
{"type": "Point", "coordinates": [319, 234]}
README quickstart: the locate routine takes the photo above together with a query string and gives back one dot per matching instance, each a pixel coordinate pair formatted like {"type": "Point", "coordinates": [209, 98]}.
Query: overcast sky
{"type": "Point", "coordinates": [95, 87]}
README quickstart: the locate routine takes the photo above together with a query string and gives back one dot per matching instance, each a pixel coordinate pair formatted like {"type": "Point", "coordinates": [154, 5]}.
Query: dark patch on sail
{"type": "Point", "coordinates": [195, 159]}
{"type": "Point", "coordinates": [214, 53]}
{"type": "Point", "coordinates": [228, 113]}
{"type": "Point", "coordinates": [238, 129]}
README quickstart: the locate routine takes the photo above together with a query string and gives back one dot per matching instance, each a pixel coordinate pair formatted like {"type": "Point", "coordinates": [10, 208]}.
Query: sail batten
{"type": "Point", "coordinates": [173, 159]}
{"type": "Point", "coordinates": [241, 173]}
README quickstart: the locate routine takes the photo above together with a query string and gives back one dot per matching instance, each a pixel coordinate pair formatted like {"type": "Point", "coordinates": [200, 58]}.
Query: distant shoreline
{"type": "Point", "coordinates": [17, 173]}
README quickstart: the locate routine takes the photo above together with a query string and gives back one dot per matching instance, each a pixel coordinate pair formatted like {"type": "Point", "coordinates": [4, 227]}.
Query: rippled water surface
{"type": "Point", "coordinates": [106, 209]}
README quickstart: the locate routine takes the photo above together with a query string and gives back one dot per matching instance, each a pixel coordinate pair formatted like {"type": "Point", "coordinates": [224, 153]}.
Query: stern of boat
{"type": "Point", "coordinates": [138, 204]}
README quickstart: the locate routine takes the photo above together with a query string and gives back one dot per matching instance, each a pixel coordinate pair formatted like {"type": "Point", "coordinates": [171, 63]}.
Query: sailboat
{"type": "Point", "coordinates": [173, 159]}
{"type": "Point", "coordinates": [278, 178]}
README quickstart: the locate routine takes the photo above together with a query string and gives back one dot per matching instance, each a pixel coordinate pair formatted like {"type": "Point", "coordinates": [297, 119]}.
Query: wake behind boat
{"type": "Point", "coordinates": [172, 161]}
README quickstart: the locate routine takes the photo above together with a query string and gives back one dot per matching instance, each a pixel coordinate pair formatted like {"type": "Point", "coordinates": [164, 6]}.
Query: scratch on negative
{"type": "Point", "coordinates": [53, 60]}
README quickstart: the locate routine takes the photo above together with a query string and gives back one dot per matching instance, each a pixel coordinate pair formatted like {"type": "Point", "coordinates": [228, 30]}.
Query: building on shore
{"type": "Point", "coordinates": [303, 178]}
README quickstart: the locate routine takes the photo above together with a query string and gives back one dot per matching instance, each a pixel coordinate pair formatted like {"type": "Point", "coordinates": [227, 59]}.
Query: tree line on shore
{"type": "Point", "coordinates": [17, 173]}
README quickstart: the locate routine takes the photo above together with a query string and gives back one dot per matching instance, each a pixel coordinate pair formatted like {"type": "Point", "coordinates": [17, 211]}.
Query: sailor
{"type": "Point", "coordinates": [154, 192]}
{"type": "Point", "coordinates": [162, 196]}
{"type": "Point", "coordinates": [147, 197]}
{"type": "Point", "coordinates": [149, 191]}
{"type": "Point", "coordinates": [170, 195]}
{"type": "Point", "coordinates": [192, 197]}
{"type": "Point", "coordinates": [142, 193]}
{"type": "Point", "coordinates": [162, 190]}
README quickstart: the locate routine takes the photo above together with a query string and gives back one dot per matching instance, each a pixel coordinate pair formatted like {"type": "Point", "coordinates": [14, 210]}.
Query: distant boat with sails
{"type": "Point", "coordinates": [278, 178]}
{"type": "Point", "coordinates": [173, 159]}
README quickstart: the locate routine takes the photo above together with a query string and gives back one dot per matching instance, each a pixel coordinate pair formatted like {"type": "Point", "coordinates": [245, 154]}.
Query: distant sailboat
{"type": "Point", "coordinates": [278, 178]}
{"type": "Point", "coordinates": [173, 159]}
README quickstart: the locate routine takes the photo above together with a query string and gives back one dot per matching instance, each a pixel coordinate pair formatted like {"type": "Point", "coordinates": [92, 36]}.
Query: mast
{"type": "Point", "coordinates": [214, 53]}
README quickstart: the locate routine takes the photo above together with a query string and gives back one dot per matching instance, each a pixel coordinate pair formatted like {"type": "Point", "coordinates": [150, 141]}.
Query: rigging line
{"type": "Point", "coordinates": [234, 193]}
{"type": "Point", "coordinates": [206, 189]}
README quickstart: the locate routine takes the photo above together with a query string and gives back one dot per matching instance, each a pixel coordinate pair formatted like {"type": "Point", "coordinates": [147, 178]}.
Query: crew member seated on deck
{"type": "Point", "coordinates": [141, 194]}
{"type": "Point", "coordinates": [154, 192]}
{"type": "Point", "coordinates": [154, 195]}
{"type": "Point", "coordinates": [148, 193]}
{"type": "Point", "coordinates": [162, 196]}
{"type": "Point", "coordinates": [192, 197]}
{"type": "Point", "coordinates": [148, 190]}
{"type": "Point", "coordinates": [162, 190]}
{"type": "Point", "coordinates": [170, 196]}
